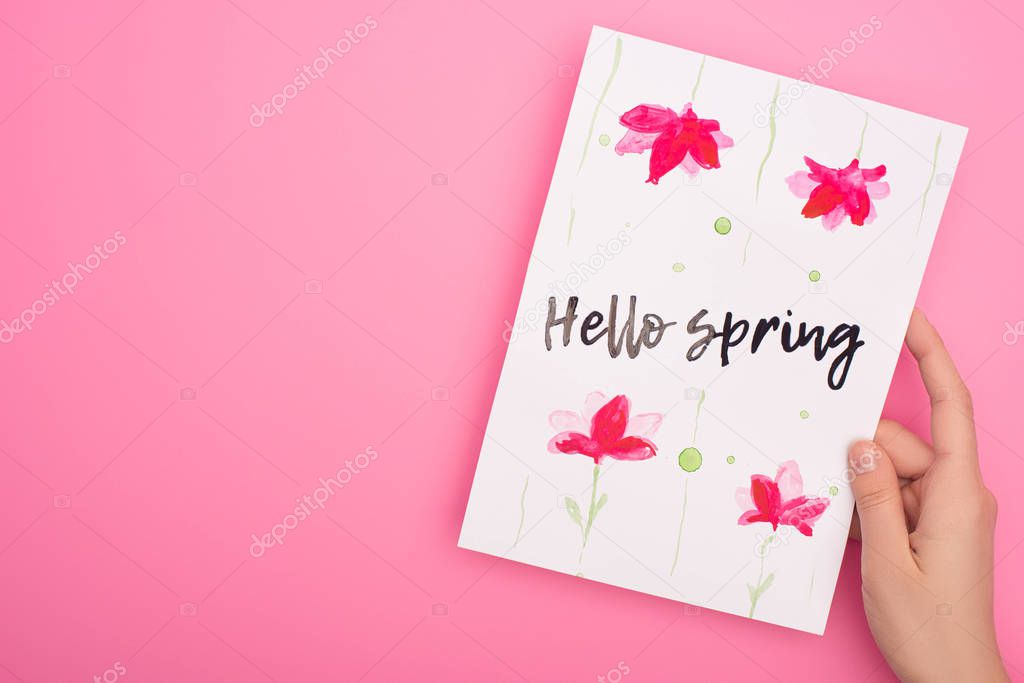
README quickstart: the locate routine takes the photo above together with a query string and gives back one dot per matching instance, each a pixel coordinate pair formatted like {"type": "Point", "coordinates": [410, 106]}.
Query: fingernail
{"type": "Point", "coordinates": [863, 457]}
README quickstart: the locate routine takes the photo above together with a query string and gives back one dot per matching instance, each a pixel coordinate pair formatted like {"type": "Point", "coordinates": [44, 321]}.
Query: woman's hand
{"type": "Point", "coordinates": [927, 521]}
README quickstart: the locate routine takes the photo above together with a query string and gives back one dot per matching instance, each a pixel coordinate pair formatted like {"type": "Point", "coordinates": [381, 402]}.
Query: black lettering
{"type": "Point", "coordinates": [591, 323]}
{"type": "Point", "coordinates": [727, 333]}
{"type": "Point", "coordinates": [847, 334]}
{"type": "Point", "coordinates": [762, 329]}
{"type": "Point", "coordinates": [626, 336]}
{"type": "Point", "coordinates": [566, 321]}
{"type": "Point", "coordinates": [653, 323]}
{"type": "Point", "coordinates": [698, 348]}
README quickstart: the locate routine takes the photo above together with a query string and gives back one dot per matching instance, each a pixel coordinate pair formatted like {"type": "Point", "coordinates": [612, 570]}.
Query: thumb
{"type": "Point", "coordinates": [883, 526]}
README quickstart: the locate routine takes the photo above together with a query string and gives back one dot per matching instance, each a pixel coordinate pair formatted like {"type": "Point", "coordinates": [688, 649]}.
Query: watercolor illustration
{"type": "Point", "coordinates": [928, 185]}
{"type": "Point", "coordinates": [690, 460]}
{"type": "Point", "coordinates": [773, 107]}
{"type": "Point", "coordinates": [522, 511]}
{"type": "Point", "coordinates": [836, 193]}
{"type": "Point", "coordinates": [616, 60]}
{"type": "Point", "coordinates": [603, 430]}
{"type": "Point", "coordinates": [684, 140]}
{"type": "Point", "coordinates": [779, 502]}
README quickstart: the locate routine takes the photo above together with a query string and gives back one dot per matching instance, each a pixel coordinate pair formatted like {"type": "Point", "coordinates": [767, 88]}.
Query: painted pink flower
{"type": "Point", "coordinates": [780, 501]}
{"type": "Point", "coordinates": [604, 430]}
{"type": "Point", "coordinates": [834, 193]}
{"type": "Point", "coordinates": [674, 139]}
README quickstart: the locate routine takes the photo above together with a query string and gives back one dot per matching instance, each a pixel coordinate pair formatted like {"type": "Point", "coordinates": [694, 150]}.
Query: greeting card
{"type": "Point", "coordinates": [713, 309]}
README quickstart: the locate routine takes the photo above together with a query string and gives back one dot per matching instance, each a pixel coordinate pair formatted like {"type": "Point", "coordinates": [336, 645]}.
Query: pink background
{"type": "Point", "coordinates": [195, 385]}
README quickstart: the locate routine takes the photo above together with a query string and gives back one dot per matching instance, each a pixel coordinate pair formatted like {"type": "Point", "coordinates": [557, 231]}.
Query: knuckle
{"type": "Point", "coordinates": [980, 509]}
{"type": "Point", "coordinates": [957, 396]}
{"type": "Point", "coordinates": [967, 401]}
{"type": "Point", "coordinates": [876, 499]}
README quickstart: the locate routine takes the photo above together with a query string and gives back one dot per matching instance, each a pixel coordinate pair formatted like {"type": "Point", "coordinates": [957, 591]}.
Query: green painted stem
{"type": "Point", "coordinates": [679, 535]}
{"type": "Point", "coordinates": [760, 575]}
{"type": "Point", "coordinates": [860, 147]}
{"type": "Point", "coordinates": [696, 417]}
{"type": "Point", "coordinates": [700, 72]}
{"type": "Point", "coordinates": [522, 511]}
{"type": "Point", "coordinates": [591, 512]}
{"type": "Point", "coordinates": [572, 219]}
{"type": "Point", "coordinates": [931, 179]}
{"type": "Point", "coordinates": [600, 100]}
{"type": "Point", "coordinates": [771, 145]}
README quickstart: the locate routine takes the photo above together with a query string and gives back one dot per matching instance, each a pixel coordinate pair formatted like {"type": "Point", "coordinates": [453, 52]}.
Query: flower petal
{"type": "Point", "coordinates": [791, 484]}
{"type": "Point", "coordinates": [873, 174]}
{"type": "Point", "coordinates": [567, 420]}
{"type": "Point", "coordinates": [645, 424]}
{"type": "Point", "coordinates": [708, 125]}
{"type": "Point", "coordinates": [823, 199]}
{"type": "Point", "coordinates": [594, 401]}
{"type": "Point", "coordinates": [800, 184]}
{"type": "Point", "coordinates": [833, 218]}
{"type": "Point", "coordinates": [572, 442]}
{"type": "Point", "coordinates": [609, 423]}
{"type": "Point", "coordinates": [635, 143]}
{"type": "Point", "coordinates": [752, 516]}
{"type": "Point", "coordinates": [877, 190]}
{"type": "Point", "coordinates": [872, 214]}
{"type": "Point", "coordinates": [858, 206]}
{"type": "Point", "coordinates": [805, 515]}
{"type": "Point", "coordinates": [765, 494]}
{"type": "Point", "coordinates": [793, 503]}
{"type": "Point", "coordinates": [818, 171]}
{"type": "Point", "coordinates": [743, 498]}
{"type": "Point", "coordinates": [648, 118]}
{"type": "Point", "coordinates": [689, 165]}
{"type": "Point", "coordinates": [721, 139]}
{"type": "Point", "coordinates": [631, 448]}
{"type": "Point", "coordinates": [705, 151]}
{"type": "Point", "coordinates": [566, 442]}
{"type": "Point", "coordinates": [666, 153]}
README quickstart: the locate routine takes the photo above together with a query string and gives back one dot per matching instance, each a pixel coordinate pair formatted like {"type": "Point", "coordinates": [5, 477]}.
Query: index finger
{"type": "Point", "coordinates": [952, 412]}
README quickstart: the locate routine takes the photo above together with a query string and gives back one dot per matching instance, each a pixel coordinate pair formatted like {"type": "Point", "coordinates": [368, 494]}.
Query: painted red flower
{"type": "Point", "coordinates": [604, 430]}
{"type": "Point", "coordinates": [781, 501]}
{"type": "Point", "coordinates": [674, 139]}
{"type": "Point", "coordinates": [834, 193]}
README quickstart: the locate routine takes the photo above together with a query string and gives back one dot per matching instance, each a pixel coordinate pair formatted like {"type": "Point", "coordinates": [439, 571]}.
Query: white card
{"type": "Point", "coordinates": [684, 184]}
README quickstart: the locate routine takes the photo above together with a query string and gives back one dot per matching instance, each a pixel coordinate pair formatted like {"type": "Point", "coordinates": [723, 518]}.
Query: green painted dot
{"type": "Point", "coordinates": [814, 276]}
{"type": "Point", "coordinates": [731, 459]}
{"type": "Point", "coordinates": [678, 267]}
{"type": "Point", "coordinates": [833, 491]}
{"type": "Point", "coordinates": [603, 139]}
{"type": "Point", "coordinates": [628, 224]}
{"type": "Point", "coordinates": [804, 415]}
{"type": "Point", "coordinates": [690, 459]}
{"type": "Point", "coordinates": [723, 225]}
